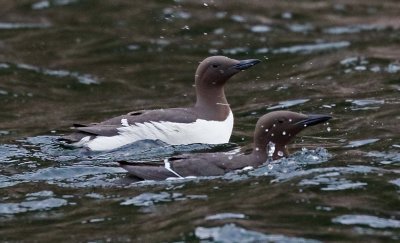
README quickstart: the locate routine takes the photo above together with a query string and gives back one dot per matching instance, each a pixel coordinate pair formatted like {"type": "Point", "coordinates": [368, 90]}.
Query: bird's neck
{"type": "Point", "coordinates": [211, 101]}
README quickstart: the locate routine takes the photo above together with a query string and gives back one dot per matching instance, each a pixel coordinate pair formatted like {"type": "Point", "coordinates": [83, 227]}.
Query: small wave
{"type": "Point", "coordinates": [368, 220]}
{"type": "Point", "coordinates": [149, 199]}
{"type": "Point", "coordinates": [11, 26]}
{"type": "Point", "coordinates": [288, 103]}
{"type": "Point", "coordinates": [232, 233]}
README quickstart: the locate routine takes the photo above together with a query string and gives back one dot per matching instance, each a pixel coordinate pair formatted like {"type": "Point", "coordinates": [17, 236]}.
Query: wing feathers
{"type": "Point", "coordinates": [148, 172]}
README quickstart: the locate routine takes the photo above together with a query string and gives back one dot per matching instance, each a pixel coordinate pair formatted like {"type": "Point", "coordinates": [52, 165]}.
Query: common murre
{"type": "Point", "coordinates": [272, 133]}
{"type": "Point", "coordinates": [209, 121]}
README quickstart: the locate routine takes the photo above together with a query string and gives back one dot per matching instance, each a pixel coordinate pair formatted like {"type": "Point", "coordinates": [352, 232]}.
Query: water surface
{"type": "Point", "coordinates": [63, 61]}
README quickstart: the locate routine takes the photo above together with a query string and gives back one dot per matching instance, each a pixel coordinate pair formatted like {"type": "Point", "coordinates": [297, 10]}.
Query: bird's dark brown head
{"type": "Point", "coordinates": [216, 70]}
{"type": "Point", "coordinates": [280, 127]}
{"type": "Point", "coordinates": [211, 75]}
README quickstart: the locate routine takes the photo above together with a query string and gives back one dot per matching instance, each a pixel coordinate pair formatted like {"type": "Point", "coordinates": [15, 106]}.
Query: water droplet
{"type": "Point", "coordinates": [283, 133]}
{"type": "Point", "coordinates": [286, 15]}
{"type": "Point", "coordinates": [257, 149]}
{"type": "Point", "coordinates": [230, 157]}
{"type": "Point", "coordinates": [328, 129]}
{"type": "Point", "coordinates": [274, 125]}
{"type": "Point", "coordinates": [290, 120]}
{"type": "Point", "coordinates": [266, 130]}
{"type": "Point", "coordinates": [270, 166]}
{"type": "Point", "coordinates": [272, 134]}
{"type": "Point", "coordinates": [260, 28]}
{"type": "Point", "coordinates": [280, 153]}
{"type": "Point", "coordinates": [305, 125]}
{"type": "Point", "coordinates": [271, 149]}
{"type": "Point", "coordinates": [219, 31]}
{"type": "Point", "coordinates": [205, 4]}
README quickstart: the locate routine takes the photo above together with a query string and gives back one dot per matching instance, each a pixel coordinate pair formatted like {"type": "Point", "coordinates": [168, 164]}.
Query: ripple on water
{"type": "Point", "coordinates": [172, 13]}
{"type": "Point", "coordinates": [82, 78]}
{"type": "Point", "coordinates": [41, 194]}
{"type": "Point", "coordinates": [235, 50]}
{"type": "Point", "coordinates": [260, 29]}
{"type": "Point", "coordinates": [301, 28]}
{"type": "Point", "coordinates": [36, 205]}
{"type": "Point", "coordinates": [368, 220]}
{"type": "Point", "coordinates": [232, 233]}
{"type": "Point", "coordinates": [331, 182]}
{"type": "Point", "coordinates": [67, 176]}
{"type": "Point", "coordinates": [352, 169]}
{"type": "Point", "coordinates": [50, 3]}
{"type": "Point", "coordinates": [222, 216]}
{"type": "Point", "coordinates": [359, 64]}
{"type": "Point", "coordinates": [36, 201]}
{"type": "Point", "coordinates": [238, 18]}
{"type": "Point", "coordinates": [393, 68]}
{"type": "Point", "coordinates": [354, 61]}
{"type": "Point", "coordinates": [365, 104]}
{"type": "Point", "coordinates": [339, 30]}
{"type": "Point", "coordinates": [4, 66]}
{"type": "Point", "coordinates": [287, 104]}
{"type": "Point", "coordinates": [49, 148]}
{"type": "Point", "coordinates": [149, 199]}
{"type": "Point", "coordinates": [385, 157]}
{"type": "Point", "coordinates": [4, 132]}
{"type": "Point", "coordinates": [310, 48]}
{"type": "Point", "coordinates": [9, 153]}
{"type": "Point", "coordinates": [359, 143]}
{"type": "Point", "coordinates": [11, 26]}
{"type": "Point", "coordinates": [95, 220]}
{"type": "Point", "coordinates": [396, 182]}
{"type": "Point", "coordinates": [94, 195]}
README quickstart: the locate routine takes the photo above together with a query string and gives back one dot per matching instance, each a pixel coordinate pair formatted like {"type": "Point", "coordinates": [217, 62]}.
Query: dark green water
{"type": "Point", "coordinates": [63, 61]}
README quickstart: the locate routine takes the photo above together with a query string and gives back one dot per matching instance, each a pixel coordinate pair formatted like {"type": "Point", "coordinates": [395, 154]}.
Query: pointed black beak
{"type": "Point", "coordinates": [312, 120]}
{"type": "Point", "coordinates": [245, 64]}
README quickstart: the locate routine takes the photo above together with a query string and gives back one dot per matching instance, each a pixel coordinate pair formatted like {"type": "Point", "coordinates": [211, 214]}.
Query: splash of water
{"type": "Point", "coordinates": [271, 150]}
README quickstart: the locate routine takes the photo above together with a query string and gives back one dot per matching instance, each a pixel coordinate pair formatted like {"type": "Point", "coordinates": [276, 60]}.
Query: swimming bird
{"type": "Point", "coordinates": [209, 121]}
{"type": "Point", "coordinates": [272, 133]}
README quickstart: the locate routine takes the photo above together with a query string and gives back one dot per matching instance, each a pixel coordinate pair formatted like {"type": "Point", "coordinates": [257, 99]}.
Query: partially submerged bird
{"type": "Point", "coordinates": [272, 133]}
{"type": "Point", "coordinates": [209, 121]}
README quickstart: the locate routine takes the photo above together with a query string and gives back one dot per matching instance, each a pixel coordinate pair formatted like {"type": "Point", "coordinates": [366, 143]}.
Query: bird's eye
{"type": "Point", "coordinates": [215, 65]}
